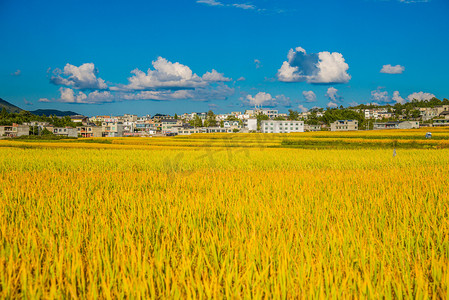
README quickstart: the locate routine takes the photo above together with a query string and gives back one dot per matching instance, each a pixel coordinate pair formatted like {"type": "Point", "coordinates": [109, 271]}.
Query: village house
{"type": "Point", "coordinates": [344, 125]}
{"type": "Point", "coordinates": [310, 127]}
{"type": "Point", "coordinates": [396, 125]}
{"type": "Point", "coordinates": [89, 131]}
{"type": "Point", "coordinates": [14, 130]}
{"type": "Point", "coordinates": [64, 131]}
{"type": "Point", "coordinates": [112, 129]}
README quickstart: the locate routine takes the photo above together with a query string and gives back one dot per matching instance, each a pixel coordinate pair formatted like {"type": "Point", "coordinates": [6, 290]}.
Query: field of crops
{"type": "Point", "coordinates": [226, 216]}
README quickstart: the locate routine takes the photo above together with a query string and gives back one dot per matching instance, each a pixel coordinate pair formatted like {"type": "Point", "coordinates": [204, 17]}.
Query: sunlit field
{"type": "Point", "coordinates": [227, 216]}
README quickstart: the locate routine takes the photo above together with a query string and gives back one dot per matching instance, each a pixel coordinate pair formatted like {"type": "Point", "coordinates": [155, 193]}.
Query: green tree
{"type": "Point", "coordinates": [176, 117]}
{"type": "Point", "coordinates": [293, 115]}
{"type": "Point", "coordinates": [4, 114]}
{"type": "Point", "coordinates": [415, 114]}
{"type": "Point", "coordinates": [196, 122]}
{"type": "Point", "coordinates": [211, 120]}
{"type": "Point", "coordinates": [260, 118]}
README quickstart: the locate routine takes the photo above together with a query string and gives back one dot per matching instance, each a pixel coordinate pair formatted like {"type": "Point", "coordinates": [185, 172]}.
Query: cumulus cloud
{"type": "Point", "coordinates": [309, 96]}
{"type": "Point", "coordinates": [332, 94]}
{"type": "Point", "coordinates": [318, 68]}
{"type": "Point", "coordinates": [302, 108]}
{"type": "Point", "coordinates": [165, 81]}
{"type": "Point", "coordinates": [169, 75]}
{"type": "Point", "coordinates": [259, 99]}
{"type": "Point", "coordinates": [165, 75]}
{"type": "Point", "coordinates": [389, 69]}
{"type": "Point", "coordinates": [82, 77]}
{"type": "Point", "coordinates": [267, 100]}
{"type": "Point", "coordinates": [29, 103]}
{"type": "Point", "coordinates": [258, 63]}
{"type": "Point", "coordinates": [420, 96]}
{"type": "Point", "coordinates": [380, 95]}
{"type": "Point", "coordinates": [241, 79]}
{"type": "Point", "coordinates": [68, 95]}
{"type": "Point", "coordinates": [398, 98]}
{"type": "Point", "coordinates": [16, 73]}
{"type": "Point", "coordinates": [332, 104]}
{"type": "Point", "coordinates": [215, 76]}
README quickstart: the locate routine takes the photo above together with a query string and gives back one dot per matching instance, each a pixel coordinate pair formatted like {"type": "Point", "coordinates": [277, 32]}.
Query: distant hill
{"type": "Point", "coordinates": [53, 112]}
{"type": "Point", "coordinates": [11, 108]}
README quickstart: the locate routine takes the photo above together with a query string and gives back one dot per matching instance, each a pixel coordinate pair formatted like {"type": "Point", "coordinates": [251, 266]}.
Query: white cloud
{"type": "Point", "coordinates": [380, 95]}
{"type": "Point", "coordinates": [259, 99]}
{"type": "Point", "coordinates": [241, 79]}
{"type": "Point", "coordinates": [258, 63]}
{"type": "Point", "coordinates": [309, 96]}
{"type": "Point", "coordinates": [332, 94]}
{"type": "Point", "coordinates": [215, 76]}
{"type": "Point", "coordinates": [302, 108]}
{"type": "Point", "coordinates": [82, 77]}
{"type": "Point", "coordinates": [420, 96]}
{"type": "Point", "coordinates": [332, 104]}
{"type": "Point", "coordinates": [210, 2]}
{"type": "Point", "coordinates": [70, 96]}
{"type": "Point", "coordinates": [320, 68]}
{"type": "Point", "coordinates": [389, 69]}
{"type": "Point", "coordinates": [166, 81]}
{"type": "Point", "coordinates": [16, 73]}
{"type": "Point", "coordinates": [244, 6]}
{"type": "Point", "coordinates": [27, 102]}
{"type": "Point", "coordinates": [353, 103]}
{"type": "Point", "coordinates": [398, 98]}
{"type": "Point", "coordinates": [169, 75]}
{"type": "Point", "coordinates": [267, 100]}
{"type": "Point", "coordinates": [165, 75]}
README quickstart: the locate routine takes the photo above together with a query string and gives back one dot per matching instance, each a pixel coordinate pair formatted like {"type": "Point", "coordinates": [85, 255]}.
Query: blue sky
{"type": "Point", "coordinates": [145, 57]}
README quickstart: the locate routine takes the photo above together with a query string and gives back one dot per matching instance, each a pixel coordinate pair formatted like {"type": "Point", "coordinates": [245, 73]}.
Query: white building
{"type": "Point", "coordinates": [65, 131]}
{"type": "Point", "coordinates": [271, 126]}
{"type": "Point", "coordinates": [251, 124]}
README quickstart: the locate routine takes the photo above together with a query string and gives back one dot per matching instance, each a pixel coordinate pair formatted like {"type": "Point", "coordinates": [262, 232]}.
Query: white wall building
{"type": "Point", "coordinates": [251, 124]}
{"type": "Point", "coordinates": [271, 126]}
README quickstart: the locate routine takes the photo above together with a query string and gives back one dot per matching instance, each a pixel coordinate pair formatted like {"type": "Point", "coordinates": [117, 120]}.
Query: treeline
{"type": "Point", "coordinates": [7, 118]}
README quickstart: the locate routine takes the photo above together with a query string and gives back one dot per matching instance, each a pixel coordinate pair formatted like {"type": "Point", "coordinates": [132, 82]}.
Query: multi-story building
{"type": "Point", "coordinates": [251, 124]}
{"type": "Point", "coordinates": [14, 130]}
{"type": "Point", "coordinates": [344, 125]}
{"type": "Point", "coordinates": [112, 129]}
{"type": "Point", "coordinates": [89, 131]}
{"type": "Point", "coordinates": [272, 126]}
{"type": "Point", "coordinates": [271, 113]}
{"type": "Point", "coordinates": [65, 131]}
{"type": "Point", "coordinates": [168, 125]}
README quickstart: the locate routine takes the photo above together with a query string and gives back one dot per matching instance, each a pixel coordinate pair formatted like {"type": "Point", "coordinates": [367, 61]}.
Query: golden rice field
{"type": "Point", "coordinates": [226, 216]}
